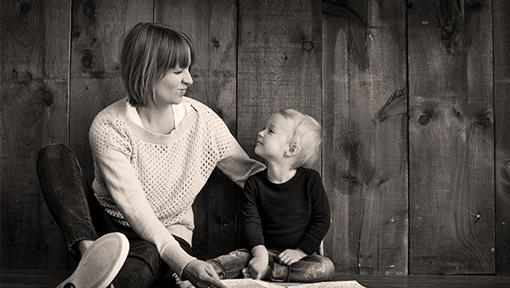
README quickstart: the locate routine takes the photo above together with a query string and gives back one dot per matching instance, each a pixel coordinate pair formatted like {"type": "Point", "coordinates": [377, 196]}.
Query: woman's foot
{"type": "Point", "coordinates": [100, 263]}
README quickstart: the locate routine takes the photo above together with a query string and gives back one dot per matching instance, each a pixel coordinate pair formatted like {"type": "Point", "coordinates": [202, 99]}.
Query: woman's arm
{"type": "Point", "coordinates": [237, 165]}
{"type": "Point", "coordinates": [127, 192]}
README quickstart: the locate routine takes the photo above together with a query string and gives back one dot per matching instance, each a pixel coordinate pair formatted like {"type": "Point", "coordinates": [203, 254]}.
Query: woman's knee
{"type": "Point", "coordinates": [52, 152]}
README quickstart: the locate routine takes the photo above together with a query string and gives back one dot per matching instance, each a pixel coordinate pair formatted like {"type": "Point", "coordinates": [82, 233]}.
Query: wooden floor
{"type": "Point", "coordinates": [51, 278]}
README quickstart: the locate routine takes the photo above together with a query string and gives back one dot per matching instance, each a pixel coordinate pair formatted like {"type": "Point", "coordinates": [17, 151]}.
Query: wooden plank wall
{"type": "Point", "coordinates": [364, 110]}
{"type": "Point", "coordinates": [34, 112]}
{"type": "Point", "coordinates": [412, 96]}
{"type": "Point", "coordinates": [451, 138]}
{"type": "Point", "coordinates": [501, 34]}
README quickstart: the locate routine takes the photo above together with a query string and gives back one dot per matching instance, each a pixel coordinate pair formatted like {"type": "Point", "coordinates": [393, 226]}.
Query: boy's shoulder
{"type": "Point", "coordinates": [261, 175]}
{"type": "Point", "coordinates": [309, 173]}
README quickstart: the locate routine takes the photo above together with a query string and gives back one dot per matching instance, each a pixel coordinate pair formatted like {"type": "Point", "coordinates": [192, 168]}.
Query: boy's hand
{"type": "Point", "coordinates": [291, 256]}
{"type": "Point", "coordinates": [257, 268]}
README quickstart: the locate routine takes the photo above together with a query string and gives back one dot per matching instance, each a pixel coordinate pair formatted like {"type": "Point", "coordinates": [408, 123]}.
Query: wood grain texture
{"type": "Point", "coordinates": [279, 63]}
{"type": "Point", "coordinates": [97, 30]}
{"type": "Point", "coordinates": [212, 27]}
{"type": "Point", "coordinates": [34, 40]}
{"type": "Point", "coordinates": [501, 14]}
{"type": "Point", "coordinates": [365, 148]}
{"type": "Point", "coordinates": [451, 138]}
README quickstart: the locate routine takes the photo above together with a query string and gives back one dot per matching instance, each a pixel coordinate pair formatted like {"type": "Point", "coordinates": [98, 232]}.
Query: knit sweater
{"type": "Point", "coordinates": [291, 215]}
{"type": "Point", "coordinates": [149, 181]}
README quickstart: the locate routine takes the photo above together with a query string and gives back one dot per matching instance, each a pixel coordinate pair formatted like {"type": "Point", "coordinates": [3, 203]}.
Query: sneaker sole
{"type": "Point", "coordinates": [92, 272]}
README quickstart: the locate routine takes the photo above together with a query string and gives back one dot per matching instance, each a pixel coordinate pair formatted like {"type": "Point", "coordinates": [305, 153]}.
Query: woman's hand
{"type": "Point", "coordinates": [291, 256]}
{"type": "Point", "coordinates": [202, 274]}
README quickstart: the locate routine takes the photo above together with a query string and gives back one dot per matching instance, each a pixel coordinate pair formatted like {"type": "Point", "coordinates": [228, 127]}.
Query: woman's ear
{"type": "Point", "coordinates": [292, 150]}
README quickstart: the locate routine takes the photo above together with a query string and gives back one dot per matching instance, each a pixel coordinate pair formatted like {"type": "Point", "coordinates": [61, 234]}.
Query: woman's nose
{"type": "Point", "coordinates": [187, 78]}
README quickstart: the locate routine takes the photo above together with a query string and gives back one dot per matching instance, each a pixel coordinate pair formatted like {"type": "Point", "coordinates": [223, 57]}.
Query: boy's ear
{"type": "Point", "coordinates": [292, 150]}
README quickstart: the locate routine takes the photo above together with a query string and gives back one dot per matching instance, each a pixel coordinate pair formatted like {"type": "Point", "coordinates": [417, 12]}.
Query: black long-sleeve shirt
{"type": "Point", "coordinates": [291, 215]}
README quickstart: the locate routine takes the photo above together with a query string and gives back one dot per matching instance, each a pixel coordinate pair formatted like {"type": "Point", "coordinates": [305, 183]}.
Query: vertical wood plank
{"type": "Point", "coordinates": [279, 63]}
{"type": "Point", "coordinates": [34, 53]}
{"type": "Point", "coordinates": [97, 30]}
{"type": "Point", "coordinates": [365, 151]}
{"type": "Point", "coordinates": [212, 27]}
{"type": "Point", "coordinates": [501, 14]}
{"type": "Point", "coordinates": [451, 137]}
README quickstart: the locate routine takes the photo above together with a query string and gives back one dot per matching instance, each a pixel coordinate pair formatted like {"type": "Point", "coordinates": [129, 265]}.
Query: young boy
{"type": "Point", "coordinates": [286, 210]}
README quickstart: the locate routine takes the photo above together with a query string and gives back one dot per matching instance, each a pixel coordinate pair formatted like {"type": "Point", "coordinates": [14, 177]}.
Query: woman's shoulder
{"type": "Point", "coordinates": [199, 106]}
{"type": "Point", "coordinates": [112, 111]}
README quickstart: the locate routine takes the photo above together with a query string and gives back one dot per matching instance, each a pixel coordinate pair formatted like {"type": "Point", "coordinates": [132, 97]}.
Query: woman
{"type": "Point", "coordinates": [153, 152]}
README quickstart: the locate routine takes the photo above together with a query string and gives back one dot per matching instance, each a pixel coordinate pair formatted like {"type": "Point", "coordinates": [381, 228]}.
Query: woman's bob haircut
{"type": "Point", "coordinates": [148, 52]}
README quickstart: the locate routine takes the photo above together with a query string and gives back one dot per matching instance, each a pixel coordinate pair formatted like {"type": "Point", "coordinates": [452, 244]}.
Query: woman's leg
{"type": "Point", "coordinates": [63, 189]}
{"type": "Point", "coordinates": [312, 268]}
{"type": "Point", "coordinates": [76, 210]}
{"type": "Point", "coordinates": [80, 217]}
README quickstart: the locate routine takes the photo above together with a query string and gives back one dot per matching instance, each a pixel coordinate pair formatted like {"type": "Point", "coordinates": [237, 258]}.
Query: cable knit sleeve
{"type": "Point", "coordinates": [111, 157]}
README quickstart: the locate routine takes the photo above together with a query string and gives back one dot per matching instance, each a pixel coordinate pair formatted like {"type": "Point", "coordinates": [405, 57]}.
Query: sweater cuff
{"type": "Point", "coordinates": [176, 258]}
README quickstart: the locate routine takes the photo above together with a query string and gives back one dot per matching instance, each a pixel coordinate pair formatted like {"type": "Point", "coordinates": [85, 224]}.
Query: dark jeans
{"type": "Point", "coordinates": [76, 210]}
{"type": "Point", "coordinates": [312, 268]}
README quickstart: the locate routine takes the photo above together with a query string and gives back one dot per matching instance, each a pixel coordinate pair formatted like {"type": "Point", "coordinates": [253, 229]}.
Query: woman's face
{"type": "Point", "coordinates": [172, 87]}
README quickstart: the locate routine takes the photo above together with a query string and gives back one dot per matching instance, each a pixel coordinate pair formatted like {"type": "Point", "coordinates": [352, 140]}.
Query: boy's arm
{"type": "Point", "coordinates": [320, 218]}
{"type": "Point", "coordinates": [252, 223]}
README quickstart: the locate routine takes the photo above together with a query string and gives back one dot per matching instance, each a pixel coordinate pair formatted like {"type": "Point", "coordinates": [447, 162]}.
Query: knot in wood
{"type": "Point", "coordinates": [483, 120]}
{"type": "Point", "coordinates": [89, 9]}
{"type": "Point", "coordinates": [47, 98]}
{"type": "Point", "coordinates": [24, 8]}
{"type": "Point", "coordinates": [424, 118]}
{"type": "Point", "coordinates": [88, 59]}
{"type": "Point", "coordinates": [216, 43]}
{"type": "Point", "coordinates": [308, 46]}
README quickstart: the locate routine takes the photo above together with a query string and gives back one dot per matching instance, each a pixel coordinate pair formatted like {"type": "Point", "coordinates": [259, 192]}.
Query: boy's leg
{"type": "Point", "coordinates": [230, 266]}
{"type": "Point", "coordinates": [312, 268]}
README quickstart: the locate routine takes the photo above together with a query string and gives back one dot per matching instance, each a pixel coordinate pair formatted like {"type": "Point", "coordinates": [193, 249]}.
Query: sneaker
{"type": "Point", "coordinates": [100, 263]}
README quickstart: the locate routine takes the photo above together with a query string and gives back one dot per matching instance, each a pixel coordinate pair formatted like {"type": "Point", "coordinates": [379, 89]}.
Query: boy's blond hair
{"type": "Point", "coordinates": [148, 52]}
{"type": "Point", "coordinates": [307, 135]}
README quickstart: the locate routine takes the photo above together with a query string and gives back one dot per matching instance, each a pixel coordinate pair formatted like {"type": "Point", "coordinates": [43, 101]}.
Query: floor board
{"type": "Point", "coordinates": [51, 278]}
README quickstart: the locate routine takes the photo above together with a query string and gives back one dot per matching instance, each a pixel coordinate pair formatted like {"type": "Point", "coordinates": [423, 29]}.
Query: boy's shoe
{"type": "Point", "coordinates": [100, 263]}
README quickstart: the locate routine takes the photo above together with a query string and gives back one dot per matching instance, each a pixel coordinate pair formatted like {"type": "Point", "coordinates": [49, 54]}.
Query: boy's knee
{"type": "Point", "coordinates": [323, 269]}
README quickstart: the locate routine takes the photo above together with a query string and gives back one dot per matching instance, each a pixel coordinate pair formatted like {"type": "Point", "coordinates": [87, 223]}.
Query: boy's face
{"type": "Point", "coordinates": [273, 141]}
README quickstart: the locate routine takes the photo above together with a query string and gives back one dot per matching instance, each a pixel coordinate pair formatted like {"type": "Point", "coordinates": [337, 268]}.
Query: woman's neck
{"type": "Point", "coordinates": [278, 173]}
{"type": "Point", "coordinates": [158, 120]}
